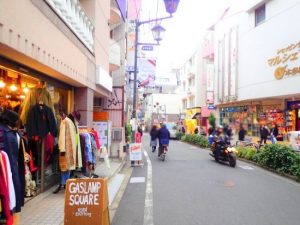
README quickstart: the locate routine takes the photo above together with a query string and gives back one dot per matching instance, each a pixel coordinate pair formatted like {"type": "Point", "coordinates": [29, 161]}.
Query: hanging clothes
{"type": "Point", "coordinates": [96, 138]}
{"type": "Point", "coordinates": [9, 144]}
{"type": "Point", "coordinates": [82, 146]}
{"type": "Point", "coordinates": [35, 96]}
{"type": "Point", "coordinates": [7, 192]}
{"type": "Point", "coordinates": [78, 146]}
{"type": "Point", "coordinates": [41, 121]}
{"type": "Point", "coordinates": [89, 147]}
{"type": "Point", "coordinates": [67, 145]}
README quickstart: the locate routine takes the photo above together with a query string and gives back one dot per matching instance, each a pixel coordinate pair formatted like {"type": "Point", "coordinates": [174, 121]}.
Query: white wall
{"type": "Point", "coordinates": [172, 102]}
{"type": "Point", "coordinates": [256, 45]}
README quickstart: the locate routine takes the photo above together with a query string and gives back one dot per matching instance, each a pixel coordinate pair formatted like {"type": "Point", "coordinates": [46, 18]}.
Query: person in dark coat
{"type": "Point", "coordinates": [264, 132]}
{"type": "Point", "coordinates": [242, 133]}
{"type": "Point", "coordinates": [154, 135]}
{"type": "Point", "coordinates": [9, 142]}
{"type": "Point", "coordinates": [163, 137]}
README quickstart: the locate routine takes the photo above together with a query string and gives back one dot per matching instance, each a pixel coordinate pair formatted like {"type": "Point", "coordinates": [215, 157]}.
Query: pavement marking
{"type": "Point", "coordinates": [148, 211]}
{"type": "Point", "coordinates": [246, 167]}
{"type": "Point", "coordinates": [137, 180]}
{"type": "Point", "coordinates": [193, 147]}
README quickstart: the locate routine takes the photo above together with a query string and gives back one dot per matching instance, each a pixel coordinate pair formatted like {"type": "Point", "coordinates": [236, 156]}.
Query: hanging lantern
{"type": "Point", "coordinates": [171, 6]}
{"type": "Point", "coordinates": [158, 31]}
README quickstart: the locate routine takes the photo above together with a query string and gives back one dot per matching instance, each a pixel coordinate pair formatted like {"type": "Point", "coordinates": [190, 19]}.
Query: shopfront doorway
{"type": "Point", "coordinates": [20, 89]}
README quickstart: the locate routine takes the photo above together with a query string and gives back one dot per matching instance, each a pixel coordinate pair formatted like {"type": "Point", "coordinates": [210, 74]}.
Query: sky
{"type": "Point", "coordinates": [185, 30]}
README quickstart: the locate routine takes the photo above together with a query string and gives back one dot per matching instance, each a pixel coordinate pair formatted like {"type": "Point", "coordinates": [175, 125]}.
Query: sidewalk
{"type": "Point", "coordinates": [48, 208]}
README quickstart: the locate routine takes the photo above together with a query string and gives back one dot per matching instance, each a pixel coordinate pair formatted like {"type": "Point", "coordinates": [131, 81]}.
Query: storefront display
{"type": "Point", "coordinates": [270, 116]}
{"type": "Point", "coordinates": [293, 116]}
{"type": "Point", "coordinates": [246, 115]}
{"type": "Point", "coordinates": [36, 104]}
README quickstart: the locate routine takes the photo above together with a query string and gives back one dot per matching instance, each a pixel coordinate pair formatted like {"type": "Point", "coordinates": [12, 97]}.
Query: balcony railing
{"type": "Point", "coordinates": [71, 12]}
{"type": "Point", "coordinates": [114, 55]}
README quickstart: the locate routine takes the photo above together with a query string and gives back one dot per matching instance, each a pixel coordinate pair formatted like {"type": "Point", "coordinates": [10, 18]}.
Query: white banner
{"type": "Point", "coordinates": [210, 77]}
{"type": "Point", "coordinates": [226, 67]}
{"type": "Point", "coordinates": [233, 62]}
{"type": "Point", "coordinates": [147, 72]}
{"type": "Point", "coordinates": [135, 152]}
{"type": "Point", "coordinates": [130, 45]}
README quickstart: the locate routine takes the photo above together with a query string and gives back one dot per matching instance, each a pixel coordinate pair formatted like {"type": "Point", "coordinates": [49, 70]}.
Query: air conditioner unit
{"type": "Point", "coordinates": [117, 135]}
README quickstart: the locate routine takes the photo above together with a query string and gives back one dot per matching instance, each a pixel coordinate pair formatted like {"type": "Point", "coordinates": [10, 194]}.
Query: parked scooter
{"type": "Point", "coordinates": [226, 152]}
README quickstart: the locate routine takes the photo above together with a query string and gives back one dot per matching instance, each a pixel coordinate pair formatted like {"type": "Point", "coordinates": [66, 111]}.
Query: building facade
{"type": "Point", "coordinates": [193, 85]}
{"type": "Point", "coordinates": [257, 67]}
{"type": "Point", "coordinates": [66, 49]}
{"type": "Point", "coordinates": [65, 43]}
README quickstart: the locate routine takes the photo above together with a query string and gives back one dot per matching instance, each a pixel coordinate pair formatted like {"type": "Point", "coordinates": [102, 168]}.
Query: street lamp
{"type": "Point", "coordinates": [157, 31]}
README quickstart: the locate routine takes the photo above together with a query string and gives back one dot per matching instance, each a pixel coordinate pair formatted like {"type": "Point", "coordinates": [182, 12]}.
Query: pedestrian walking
{"type": "Point", "coordinates": [140, 130]}
{"type": "Point", "coordinates": [210, 135]}
{"type": "Point", "coordinates": [274, 133]}
{"type": "Point", "coordinates": [264, 133]}
{"type": "Point", "coordinates": [242, 133]}
{"type": "Point", "coordinates": [154, 136]}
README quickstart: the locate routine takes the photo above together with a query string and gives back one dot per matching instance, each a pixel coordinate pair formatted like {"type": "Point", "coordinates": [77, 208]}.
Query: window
{"type": "Point", "coordinates": [192, 102]}
{"type": "Point", "coordinates": [260, 14]}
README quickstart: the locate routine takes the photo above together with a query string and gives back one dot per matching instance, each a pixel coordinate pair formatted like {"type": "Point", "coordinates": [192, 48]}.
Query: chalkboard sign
{"type": "Point", "coordinates": [86, 202]}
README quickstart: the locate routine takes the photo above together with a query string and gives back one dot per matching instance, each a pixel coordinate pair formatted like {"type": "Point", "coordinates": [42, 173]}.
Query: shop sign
{"type": "Point", "coordinates": [135, 152]}
{"type": "Point", "coordinates": [147, 72]}
{"type": "Point", "coordinates": [130, 45]}
{"type": "Point", "coordinates": [293, 105]}
{"type": "Point", "coordinates": [86, 202]}
{"type": "Point", "coordinates": [211, 107]}
{"type": "Point", "coordinates": [286, 61]}
{"type": "Point", "coordinates": [147, 48]}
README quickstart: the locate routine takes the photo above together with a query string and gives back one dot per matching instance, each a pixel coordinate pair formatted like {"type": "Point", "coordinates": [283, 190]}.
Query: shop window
{"type": "Point", "coordinates": [260, 14]}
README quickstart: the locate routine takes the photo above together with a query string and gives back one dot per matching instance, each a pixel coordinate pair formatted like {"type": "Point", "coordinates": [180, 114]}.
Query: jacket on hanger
{"type": "Point", "coordinates": [32, 98]}
{"type": "Point", "coordinates": [67, 143]}
{"type": "Point", "coordinates": [41, 121]}
{"type": "Point", "coordinates": [9, 144]}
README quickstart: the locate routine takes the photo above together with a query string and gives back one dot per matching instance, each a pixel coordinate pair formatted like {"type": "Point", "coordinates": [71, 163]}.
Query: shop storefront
{"type": "Point", "coordinates": [292, 116]}
{"type": "Point", "coordinates": [245, 115]}
{"type": "Point", "coordinates": [21, 88]}
{"type": "Point", "coordinates": [254, 116]}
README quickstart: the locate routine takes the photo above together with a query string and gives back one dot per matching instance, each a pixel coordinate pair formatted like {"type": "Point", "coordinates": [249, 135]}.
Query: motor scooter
{"type": "Point", "coordinates": [226, 152]}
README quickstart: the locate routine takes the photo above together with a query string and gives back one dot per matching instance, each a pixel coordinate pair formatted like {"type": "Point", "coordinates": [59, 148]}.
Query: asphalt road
{"type": "Point", "coordinates": [190, 188]}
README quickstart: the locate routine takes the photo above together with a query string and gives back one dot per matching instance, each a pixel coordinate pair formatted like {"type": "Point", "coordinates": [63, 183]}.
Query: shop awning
{"type": "Point", "coordinates": [197, 114]}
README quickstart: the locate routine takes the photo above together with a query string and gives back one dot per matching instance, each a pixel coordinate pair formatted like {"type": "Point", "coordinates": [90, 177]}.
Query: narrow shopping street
{"type": "Point", "coordinates": [191, 188]}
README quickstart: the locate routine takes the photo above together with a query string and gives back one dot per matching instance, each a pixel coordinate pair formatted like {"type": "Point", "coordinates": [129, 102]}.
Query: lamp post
{"type": "Point", "coordinates": [157, 31]}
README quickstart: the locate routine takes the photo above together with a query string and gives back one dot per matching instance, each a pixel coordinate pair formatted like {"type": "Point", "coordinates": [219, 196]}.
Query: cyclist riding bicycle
{"type": "Point", "coordinates": [163, 137]}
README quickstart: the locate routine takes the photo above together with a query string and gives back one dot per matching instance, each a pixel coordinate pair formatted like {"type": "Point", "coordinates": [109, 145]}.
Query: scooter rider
{"type": "Point", "coordinates": [218, 137]}
{"type": "Point", "coordinates": [163, 137]}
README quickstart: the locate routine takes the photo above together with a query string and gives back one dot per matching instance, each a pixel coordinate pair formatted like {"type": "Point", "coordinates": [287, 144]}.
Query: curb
{"type": "Point", "coordinates": [123, 162]}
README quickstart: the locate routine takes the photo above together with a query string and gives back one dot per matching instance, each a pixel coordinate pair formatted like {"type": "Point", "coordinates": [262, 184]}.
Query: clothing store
{"type": "Point", "coordinates": [41, 142]}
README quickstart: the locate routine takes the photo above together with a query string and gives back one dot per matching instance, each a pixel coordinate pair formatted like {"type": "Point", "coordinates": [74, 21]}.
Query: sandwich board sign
{"type": "Point", "coordinates": [86, 202]}
{"type": "Point", "coordinates": [135, 151]}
